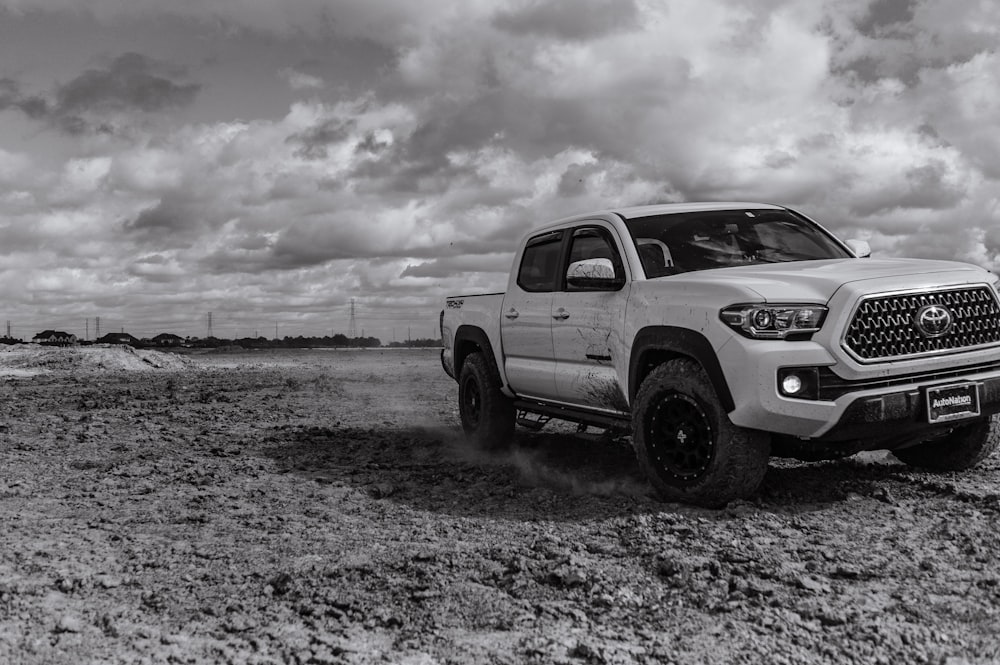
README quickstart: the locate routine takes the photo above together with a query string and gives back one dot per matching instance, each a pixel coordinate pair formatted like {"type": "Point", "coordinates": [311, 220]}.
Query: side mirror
{"type": "Point", "coordinates": [860, 248]}
{"type": "Point", "coordinates": [593, 274]}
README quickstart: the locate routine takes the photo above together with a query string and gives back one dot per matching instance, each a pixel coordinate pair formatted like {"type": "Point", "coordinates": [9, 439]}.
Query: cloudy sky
{"type": "Point", "coordinates": [270, 161]}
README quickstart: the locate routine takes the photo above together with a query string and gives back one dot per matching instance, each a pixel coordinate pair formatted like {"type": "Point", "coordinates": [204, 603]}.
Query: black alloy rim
{"type": "Point", "coordinates": [680, 438]}
{"type": "Point", "coordinates": [472, 401]}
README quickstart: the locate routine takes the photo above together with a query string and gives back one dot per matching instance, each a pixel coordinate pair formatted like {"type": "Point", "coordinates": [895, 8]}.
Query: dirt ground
{"type": "Point", "coordinates": [321, 507]}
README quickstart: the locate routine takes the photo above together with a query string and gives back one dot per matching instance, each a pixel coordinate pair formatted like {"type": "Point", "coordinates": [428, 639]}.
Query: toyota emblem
{"type": "Point", "coordinates": [933, 320]}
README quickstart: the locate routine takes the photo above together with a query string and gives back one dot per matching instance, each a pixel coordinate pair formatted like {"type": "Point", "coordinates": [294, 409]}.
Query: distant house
{"type": "Point", "coordinates": [54, 338]}
{"type": "Point", "coordinates": [118, 338]}
{"type": "Point", "coordinates": [167, 339]}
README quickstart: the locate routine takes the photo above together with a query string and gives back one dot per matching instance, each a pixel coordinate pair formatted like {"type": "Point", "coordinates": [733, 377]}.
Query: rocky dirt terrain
{"type": "Point", "coordinates": [321, 507]}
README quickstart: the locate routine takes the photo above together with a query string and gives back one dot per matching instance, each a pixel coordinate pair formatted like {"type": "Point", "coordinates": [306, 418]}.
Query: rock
{"type": "Point", "coordinates": [829, 616]}
{"type": "Point", "coordinates": [66, 585]}
{"type": "Point", "coordinates": [671, 567]}
{"type": "Point", "coordinates": [810, 583]}
{"type": "Point", "coordinates": [281, 584]}
{"type": "Point", "coordinates": [108, 581]}
{"type": "Point", "coordinates": [69, 623]}
{"type": "Point", "coordinates": [382, 490]}
{"type": "Point", "coordinates": [883, 495]}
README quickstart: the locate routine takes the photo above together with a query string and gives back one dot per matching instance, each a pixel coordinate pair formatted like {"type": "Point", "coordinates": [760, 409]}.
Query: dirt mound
{"type": "Point", "coordinates": [26, 360]}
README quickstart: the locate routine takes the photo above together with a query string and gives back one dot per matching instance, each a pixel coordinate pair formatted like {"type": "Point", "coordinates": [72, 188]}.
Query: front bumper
{"type": "Point", "coordinates": [887, 401]}
{"type": "Point", "coordinates": [901, 412]}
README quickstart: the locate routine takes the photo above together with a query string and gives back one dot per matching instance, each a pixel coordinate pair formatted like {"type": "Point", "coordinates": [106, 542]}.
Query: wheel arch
{"type": "Point", "coordinates": [654, 345]}
{"type": "Point", "coordinates": [469, 339]}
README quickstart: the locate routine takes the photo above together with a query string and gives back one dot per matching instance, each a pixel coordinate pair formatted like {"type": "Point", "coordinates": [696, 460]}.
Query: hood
{"type": "Point", "coordinates": [817, 281]}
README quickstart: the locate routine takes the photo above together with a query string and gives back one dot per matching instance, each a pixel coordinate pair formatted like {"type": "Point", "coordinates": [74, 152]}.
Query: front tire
{"type": "Point", "coordinates": [962, 448]}
{"type": "Point", "coordinates": [686, 444]}
{"type": "Point", "coordinates": [487, 414]}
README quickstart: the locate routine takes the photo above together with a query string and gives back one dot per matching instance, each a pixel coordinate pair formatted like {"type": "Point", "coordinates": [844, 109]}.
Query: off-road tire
{"type": "Point", "coordinates": [962, 448]}
{"type": "Point", "coordinates": [686, 444]}
{"type": "Point", "coordinates": [487, 414]}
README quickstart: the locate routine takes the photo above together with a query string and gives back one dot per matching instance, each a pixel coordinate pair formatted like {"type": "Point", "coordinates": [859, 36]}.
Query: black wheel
{"type": "Point", "coordinates": [686, 444]}
{"type": "Point", "coordinates": [487, 414]}
{"type": "Point", "coordinates": [962, 448]}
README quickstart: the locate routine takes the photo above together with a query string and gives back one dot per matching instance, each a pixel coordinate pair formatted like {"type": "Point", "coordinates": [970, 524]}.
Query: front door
{"type": "Point", "coordinates": [587, 329]}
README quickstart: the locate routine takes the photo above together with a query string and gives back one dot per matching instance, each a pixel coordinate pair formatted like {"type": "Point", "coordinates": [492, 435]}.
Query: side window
{"type": "Point", "coordinates": [539, 270]}
{"type": "Point", "coordinates": [594, 243]}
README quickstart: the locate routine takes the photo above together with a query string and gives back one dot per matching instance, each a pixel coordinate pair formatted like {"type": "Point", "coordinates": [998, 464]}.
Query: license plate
{"type": "Point", "coordinates": [959, 400]}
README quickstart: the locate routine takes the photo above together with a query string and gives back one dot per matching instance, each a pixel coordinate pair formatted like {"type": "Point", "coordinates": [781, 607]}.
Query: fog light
{"type": "Point", "coordinates": [791, 384]}
{"type": "Point", "coordinates": [798, 382]}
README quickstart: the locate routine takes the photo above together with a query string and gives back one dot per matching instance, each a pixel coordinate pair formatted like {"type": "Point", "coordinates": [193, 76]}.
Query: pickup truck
{"type": "Point", "coordinates": [720, 334]}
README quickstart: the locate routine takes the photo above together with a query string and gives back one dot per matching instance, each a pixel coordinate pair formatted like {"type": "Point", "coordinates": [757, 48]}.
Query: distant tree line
{"type": "Point", "coordinates": [300, 342]}
{"type": "Point", "coordinates": [337, 341]}
{"type": "Point", "coordinates": [415, 343]}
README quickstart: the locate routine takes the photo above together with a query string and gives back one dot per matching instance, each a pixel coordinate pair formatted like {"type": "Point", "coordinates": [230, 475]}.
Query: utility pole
{"type": "Point", "coordinates": [97, 321]}
{"type": "Point", "coordinates": [210, 324]}
{"type": "Point", "coordinates": [86, 336]}
{"type": "Point", "coordinates": [353, 326]}
{"type": "Point", "coordinates": [275, 330]}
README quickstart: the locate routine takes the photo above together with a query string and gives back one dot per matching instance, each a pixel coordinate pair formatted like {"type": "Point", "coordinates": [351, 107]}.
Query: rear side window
{"type": "Point", "coordinates": [539, 269]}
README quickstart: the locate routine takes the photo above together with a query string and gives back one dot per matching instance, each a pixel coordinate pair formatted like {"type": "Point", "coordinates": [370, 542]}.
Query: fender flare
{"type": "Point", "coordinates": [467, 337]}
{"type": "Point", "coordinates": [653, 342]}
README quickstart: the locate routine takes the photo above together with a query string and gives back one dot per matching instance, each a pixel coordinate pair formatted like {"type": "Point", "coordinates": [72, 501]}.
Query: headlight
{"type": "Point", "coordinates": [774, 321]}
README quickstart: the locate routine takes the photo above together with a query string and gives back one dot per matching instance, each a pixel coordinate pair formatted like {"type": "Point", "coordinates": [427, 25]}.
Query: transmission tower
{"type": "Point", "coordinates": [209, 325]}
{"type": "Point", "coordinates": [97, 326]}
{"type": "Point", "coordinates": [352, 330]}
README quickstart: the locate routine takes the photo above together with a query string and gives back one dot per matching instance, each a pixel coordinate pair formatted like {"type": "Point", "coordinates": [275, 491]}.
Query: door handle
{"type": "Point", "coordinates": [561, 314]}
{"type": "Point", "coordinates": [512, 313]}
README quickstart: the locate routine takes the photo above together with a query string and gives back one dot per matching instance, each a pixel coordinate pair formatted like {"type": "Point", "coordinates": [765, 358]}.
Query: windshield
{"type": "Point", "coordinates": [683, 242]}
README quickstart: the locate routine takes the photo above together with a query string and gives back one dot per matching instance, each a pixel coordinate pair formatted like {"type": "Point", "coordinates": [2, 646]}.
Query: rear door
{"type": "Point", "coordinates": [588, 325]}
{"type": "Point", "coordinates": [526, 318]}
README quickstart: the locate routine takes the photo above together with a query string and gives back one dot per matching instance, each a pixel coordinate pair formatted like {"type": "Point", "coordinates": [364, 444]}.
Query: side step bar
{"type": "Point", "coordinates": [534, 424]}
{"type": "Point", "coordinates": [546, 412]}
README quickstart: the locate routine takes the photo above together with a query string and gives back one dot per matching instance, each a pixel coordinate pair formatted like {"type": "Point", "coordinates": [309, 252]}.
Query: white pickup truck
{"type": "Point", "coordinates": [720, 334]}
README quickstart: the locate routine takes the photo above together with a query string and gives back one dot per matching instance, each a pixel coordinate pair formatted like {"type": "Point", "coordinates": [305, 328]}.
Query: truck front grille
{"type": "Point", "coordinates": [884, 327]}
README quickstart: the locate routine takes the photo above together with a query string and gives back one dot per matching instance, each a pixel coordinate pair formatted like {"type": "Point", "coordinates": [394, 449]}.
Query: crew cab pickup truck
{"type": "Point", "coordinates": [719, 334]}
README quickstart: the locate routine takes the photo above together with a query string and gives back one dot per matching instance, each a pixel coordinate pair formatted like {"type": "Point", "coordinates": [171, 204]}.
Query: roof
{"type": "Point", "coordinates": [673, 208]}
{"type": "Point", "coordinates": [632, 212]}
{"type": "Point", "coordinates": [45, 334]}
{"type": "Point", "coordinates": [118, 336]}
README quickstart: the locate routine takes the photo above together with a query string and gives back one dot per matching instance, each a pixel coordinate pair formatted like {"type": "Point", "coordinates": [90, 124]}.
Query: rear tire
{"type": "Point", "coordinates": [686, 444]}
{"type": "Point", "coordinates": [962, 448]}
{"type": "Point", "coordinates": [487, 414]}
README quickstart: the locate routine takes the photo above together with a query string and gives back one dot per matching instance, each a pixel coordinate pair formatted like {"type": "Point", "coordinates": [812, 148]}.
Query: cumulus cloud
{"type": "Point", "coordinates": [581, 20]}
{"type": "Point", "coordinates": [388, 20]}
{"type": "Point", "coordinates": [94, 100]}
{"type": "Point", "coordinates": [300, 80]}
